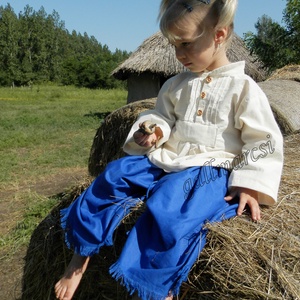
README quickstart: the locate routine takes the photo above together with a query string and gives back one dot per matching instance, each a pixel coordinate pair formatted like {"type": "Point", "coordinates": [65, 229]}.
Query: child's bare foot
{"type": "Point", "coordinates": [67, 285]}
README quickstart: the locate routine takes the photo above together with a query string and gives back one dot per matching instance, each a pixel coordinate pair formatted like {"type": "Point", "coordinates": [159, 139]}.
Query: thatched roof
{"type": "Point", "coordinates": [156, 55]}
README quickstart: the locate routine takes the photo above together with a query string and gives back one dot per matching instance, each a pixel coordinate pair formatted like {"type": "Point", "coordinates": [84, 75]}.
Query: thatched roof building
{"type": "Point", "coordinates": [155, 61]}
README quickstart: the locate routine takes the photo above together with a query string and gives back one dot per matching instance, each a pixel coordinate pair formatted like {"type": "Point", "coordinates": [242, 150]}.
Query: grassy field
{"type": "Point", "coordinates": [46, 133]}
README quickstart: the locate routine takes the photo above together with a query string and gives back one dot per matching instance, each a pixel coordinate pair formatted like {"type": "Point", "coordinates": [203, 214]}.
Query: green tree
{"type": "Point", "coordinates": [291, 16]}
{"type": "Point", "coordinates": [90, 64]}
{"type": "Point", "coordinates": [276, 45]}
{"type": "Point", "coordinates": [9, 34]}
{"type": "Point", "coordinates": [270, 43]}
{"type": "Point", "coordinates": [36, 47]}
{"type": "Point", "coordinates": [55, 45]}
{"type": "Point", "coordinates": [27, 44]}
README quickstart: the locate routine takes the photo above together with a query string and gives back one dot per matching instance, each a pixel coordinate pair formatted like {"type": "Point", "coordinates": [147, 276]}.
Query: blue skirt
{"type": "Point", "coordinates": [167, 239]}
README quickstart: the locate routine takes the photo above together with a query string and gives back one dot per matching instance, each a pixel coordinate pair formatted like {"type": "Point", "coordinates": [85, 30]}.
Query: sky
{"type": "Point", "coordinates": [124, 25]}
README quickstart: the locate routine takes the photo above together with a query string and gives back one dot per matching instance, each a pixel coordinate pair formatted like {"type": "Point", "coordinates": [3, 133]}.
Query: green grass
{"type": "Point", "coordinates": [44, 131]}
{"type": "Point", "coordinates": [37, 208]}
{"type": "Point", "coordinates": [48, 127]}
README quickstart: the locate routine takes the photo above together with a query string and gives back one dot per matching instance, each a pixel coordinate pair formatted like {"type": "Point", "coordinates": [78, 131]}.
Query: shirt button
{"type": "Point", "coordinates": [199, 112]}
{"type": "Point", "coordinates": [203, 95]}
{"type": "Point", "coordinates": [208, 79]}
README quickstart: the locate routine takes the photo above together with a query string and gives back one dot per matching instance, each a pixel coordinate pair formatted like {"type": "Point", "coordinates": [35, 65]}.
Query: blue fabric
{"type": "Point", "coordinates": [89, 222]}
{"type": "Point", "coordinates": [169, 236]}
{"type": "Point", "coordinates": [167, 239]}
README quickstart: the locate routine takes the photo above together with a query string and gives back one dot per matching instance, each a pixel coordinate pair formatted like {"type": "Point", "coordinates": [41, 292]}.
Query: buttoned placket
{"type": "Point", "coordinates": [203, 97]}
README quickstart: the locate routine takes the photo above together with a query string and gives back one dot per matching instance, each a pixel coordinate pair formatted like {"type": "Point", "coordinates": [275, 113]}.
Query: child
{"type": "Point", "coordinates": [215, 149]}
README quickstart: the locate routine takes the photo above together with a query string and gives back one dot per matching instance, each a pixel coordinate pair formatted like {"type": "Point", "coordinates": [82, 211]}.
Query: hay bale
{"type": "Point", "coordinates": [283, 91]}
{"type": "Point", "coordinates": [284, 98]}
{"type": "Point", "coordinates": [111, 135]}
{"type": "Point", "coordinates": [242, 259]}
{"type": "Point", "coordinates": [290, 72]}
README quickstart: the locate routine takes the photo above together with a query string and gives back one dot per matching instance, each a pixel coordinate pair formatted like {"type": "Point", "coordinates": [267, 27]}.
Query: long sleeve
{"type": "Point", "coordinates": [259, 166]}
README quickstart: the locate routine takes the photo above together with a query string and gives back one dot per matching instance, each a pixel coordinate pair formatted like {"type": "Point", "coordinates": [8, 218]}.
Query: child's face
{"type": "Point", "coordinates": [195, 52]}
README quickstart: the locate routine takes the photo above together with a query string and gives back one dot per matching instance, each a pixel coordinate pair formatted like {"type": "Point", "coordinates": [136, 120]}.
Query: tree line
{"type": "Point", "coordinates": [275, 45]}
{"type": "Point", "coordinates": [36, 47]}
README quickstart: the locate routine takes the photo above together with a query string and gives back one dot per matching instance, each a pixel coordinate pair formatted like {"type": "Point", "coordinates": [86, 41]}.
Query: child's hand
{"type": "Point", "coordinates": [247, 196]}
{"type": "Point", "coordinates": [144, 140]}
{"type": "Point", "coordinates": [148, 134]}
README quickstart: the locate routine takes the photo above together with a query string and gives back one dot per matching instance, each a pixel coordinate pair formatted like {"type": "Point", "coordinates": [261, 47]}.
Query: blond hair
{"type": "Point", "coordinates": [218, 14]}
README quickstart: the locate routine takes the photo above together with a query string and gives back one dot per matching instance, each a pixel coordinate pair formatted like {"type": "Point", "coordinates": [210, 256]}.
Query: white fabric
{"type": "Point", "coordinates": [236, 129]}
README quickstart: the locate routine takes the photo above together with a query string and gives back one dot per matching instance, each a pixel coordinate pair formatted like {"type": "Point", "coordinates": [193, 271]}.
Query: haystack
{"type": "Point", "coordinates": [283, 91]}
{"type": "Point", "coordinates": [155, 61]}
{"type": "Point", "coordinates": [242, 259]}
{"type": "Point", "coordinates": [110, 136]}
{"type": "Point", "coordinates": [290, 72]}
{"type": "Point", "coordinates": [284, 98]}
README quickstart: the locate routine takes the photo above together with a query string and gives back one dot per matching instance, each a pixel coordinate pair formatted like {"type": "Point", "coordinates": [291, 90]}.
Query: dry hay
{"type": "Point", "coordinates": [284, 99]}
{"type": "Point", "coordinates": [290, 72]}
{"type": "Point", "coordinates": [111, 135]}
{"type": "Point", "coordinates": [242, 259]}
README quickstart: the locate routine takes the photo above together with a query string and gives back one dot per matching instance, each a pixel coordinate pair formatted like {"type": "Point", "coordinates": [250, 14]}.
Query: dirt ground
{"type": "Point", "coordinates": [11, 268]}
